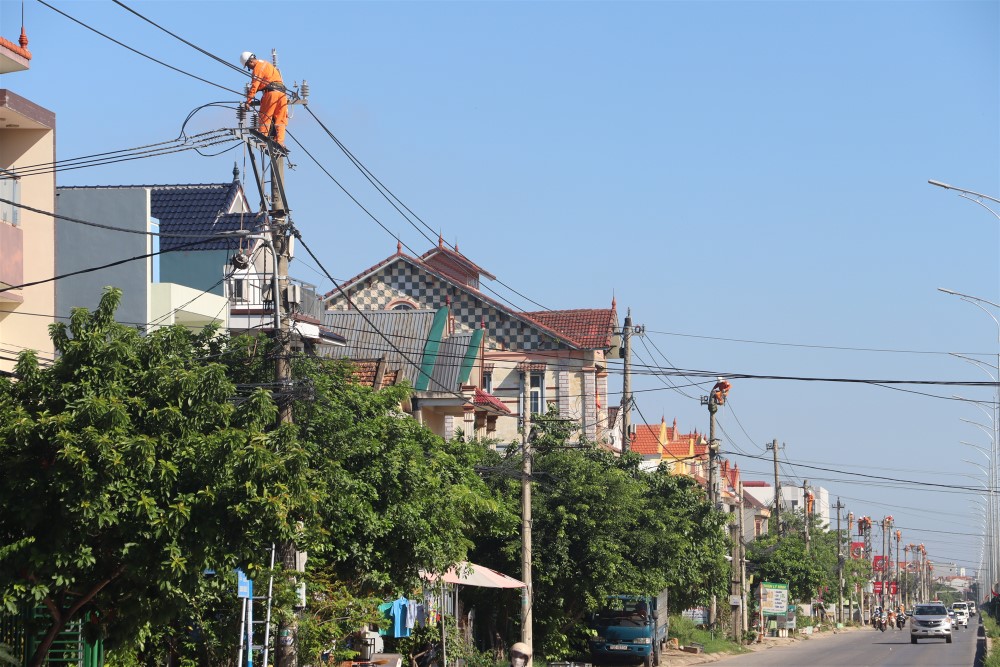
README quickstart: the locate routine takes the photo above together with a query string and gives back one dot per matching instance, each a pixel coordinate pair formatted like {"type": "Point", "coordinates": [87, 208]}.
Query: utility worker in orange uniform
{"type": "Point", "coordinates": [274, 101]}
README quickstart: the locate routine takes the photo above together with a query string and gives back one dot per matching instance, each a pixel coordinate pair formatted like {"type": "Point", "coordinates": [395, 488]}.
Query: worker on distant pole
{"type": "Point", "coordinates": [274, 102]}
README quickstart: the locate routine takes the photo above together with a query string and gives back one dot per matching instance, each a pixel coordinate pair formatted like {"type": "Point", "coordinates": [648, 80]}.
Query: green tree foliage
{"type": "Point", "coordinates": [128, 471]}
{"type": "Point", "coordinates": [388, 497]}
{"type": "Point", "coordinates": [602, 526]}
{"type": "Point", "coordinates": [784, 559]}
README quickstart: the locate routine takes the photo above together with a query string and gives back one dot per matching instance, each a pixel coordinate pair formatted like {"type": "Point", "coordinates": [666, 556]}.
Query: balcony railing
{"type": "Point", "coordinates": [253, 291]}
{"type": "Point", "coordinates": [10, 189]}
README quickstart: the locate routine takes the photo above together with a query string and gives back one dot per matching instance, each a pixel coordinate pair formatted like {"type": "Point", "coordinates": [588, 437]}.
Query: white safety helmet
{"type": "Point", "coordinates": [246, 56]}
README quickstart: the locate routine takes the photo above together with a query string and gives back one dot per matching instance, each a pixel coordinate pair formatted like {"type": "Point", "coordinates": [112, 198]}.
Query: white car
{"type": "Point", "coordinates": [930, 620]}
{"type": "Point", "coordinates": [961, 610]}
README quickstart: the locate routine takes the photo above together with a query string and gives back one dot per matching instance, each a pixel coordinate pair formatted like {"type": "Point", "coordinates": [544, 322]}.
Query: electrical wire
{"type": "Point", "coordinates": [218, 137]}
{"type": "Point", "coordinates": [195, 47]}
{"type": "Point", "coordinates": [896, 480]}
{"type": "Point", "coordinates": [105, 266]}
{"type": "Point", "coordinates": [393, 200]}
{"type": "Point", "coordinates": [49, 167]}
{"type": "Point", "coordinates": [136, 51]}
{"type": "Point", "coordinates": [814, 346]}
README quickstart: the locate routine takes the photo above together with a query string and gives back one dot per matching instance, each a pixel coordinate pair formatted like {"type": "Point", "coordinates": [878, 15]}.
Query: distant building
{"type": "Point", "coordinates": [27, 245]}
{"type": "Point", "coordinates": [793, 497]}
{"type": "Point", "coordinates": [530, 361]}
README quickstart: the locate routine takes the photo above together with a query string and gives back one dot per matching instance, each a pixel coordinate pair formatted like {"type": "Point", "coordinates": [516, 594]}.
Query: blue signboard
{"type": "Point", "coordinates": [244, 586]}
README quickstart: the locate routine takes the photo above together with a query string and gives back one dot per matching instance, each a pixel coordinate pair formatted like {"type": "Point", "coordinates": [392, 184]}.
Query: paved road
{"type": "Point", "coordinates": [866, 648]}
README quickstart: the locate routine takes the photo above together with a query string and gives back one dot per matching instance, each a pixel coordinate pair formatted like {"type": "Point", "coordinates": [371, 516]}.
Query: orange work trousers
{"type": "Point", "coordinates": [274, 110]}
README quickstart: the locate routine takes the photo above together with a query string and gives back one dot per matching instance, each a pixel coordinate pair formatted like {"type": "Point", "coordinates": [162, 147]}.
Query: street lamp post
{"type": "Point", "coordinates": [994, 433]}
{"type": "Point", "coordinates": [989, 509]}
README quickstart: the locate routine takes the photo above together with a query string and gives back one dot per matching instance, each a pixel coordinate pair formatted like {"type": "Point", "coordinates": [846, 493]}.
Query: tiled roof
{"type": "Point", "coordinates": [199, 210]}
{"type": "Point", "coordinates": [646, 440]}
{"type": "Point", "coordinates": [453, 263]}
{"type": "Point", "coordinates": [530, 367]}
{"type": "Point", "coordinates": [590, 328]}
{"type": "Point", "coordinates": [192, 230]}
{"type": "Point", "coordinates": [347, 285]}
{"type": "Point", "coordinates": [195, 211]}
{"type": "Point", "coordinates": [481, 398]}
{"type": "Point", "coordinates": [366, 371]}
{"type": "Point", "coordinates": [752, 502]}
{"type": "Point", "coordinates": [756, 484]}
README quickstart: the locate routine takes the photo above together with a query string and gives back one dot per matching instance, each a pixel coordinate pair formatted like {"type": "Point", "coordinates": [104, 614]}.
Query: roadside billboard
{"type": "Point", "coordinates": [773, 598]}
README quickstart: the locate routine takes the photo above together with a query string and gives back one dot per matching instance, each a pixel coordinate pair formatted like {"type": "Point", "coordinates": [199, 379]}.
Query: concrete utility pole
{"type": "Point", "coordinates": [293, 560]}
{"type": "Point", "coordinates": [840, 566]}
{"type": "Point", "coordinates": [715, 398]}
{"type": "Point", "coordinates": [777, 486]}
{"type": "Point", "coordinates": [736, 584]}
{"type": "Point", "coordinates": [885, 556]}
{"type": "Point", "coordinates": [805, 510]}
{"type": "Point", "coordinates": [527, 595]}
{"type": "Point", "coordinates": [627, 382]}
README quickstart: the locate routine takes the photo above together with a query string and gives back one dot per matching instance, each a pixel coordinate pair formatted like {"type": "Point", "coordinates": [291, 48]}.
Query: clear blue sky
{"type": "Point", "coordinates": [727, 170]}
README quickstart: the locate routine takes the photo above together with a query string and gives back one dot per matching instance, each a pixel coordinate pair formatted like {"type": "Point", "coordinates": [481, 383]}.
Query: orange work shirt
{"type": "Point", "coordinates": [263, 74]}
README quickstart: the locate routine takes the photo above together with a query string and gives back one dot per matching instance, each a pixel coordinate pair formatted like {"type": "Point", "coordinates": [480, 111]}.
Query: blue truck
{"type": "Point", "coordinates": [629, 629]}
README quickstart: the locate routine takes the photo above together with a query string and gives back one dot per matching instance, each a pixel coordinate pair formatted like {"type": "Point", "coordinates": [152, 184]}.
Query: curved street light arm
{"type": "Point", "coordinates": [963, 190]}
{"type": "Point", "coordinates": [980, 404]}
{"type": "Point", "coordinates": [978, 199]}
{"type": "Point", "coordinates": [981, 450]}
{"type": "Point", "coordinates": [986, 471]}
{"type": "Point", "coordinates": [981, 365]}
{"type": "Point", "coordinates": [985, 430]}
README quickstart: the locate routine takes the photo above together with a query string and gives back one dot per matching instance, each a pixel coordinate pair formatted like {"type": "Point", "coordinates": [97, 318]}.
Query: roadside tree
{"type": "Point", "coordinates": [129, 472]}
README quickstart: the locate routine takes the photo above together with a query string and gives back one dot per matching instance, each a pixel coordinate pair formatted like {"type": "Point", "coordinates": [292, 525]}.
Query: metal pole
{"type": "Point", "coordinates": [243, 626]}
{"type": "Point", "coordinates": [444, 626]}
{"type": "Point", "coordinates": [627, 382]}
{"type": "Point", "coordinates": [777, 487]}
{"type": "Point", "coordinates": [840, 567]}
{"type": "Point", "coordinates": [805, 510]}
{"type": "Point", "coordinates": [713, 499]}
{"type": "Point", "coordinates": [736, 582]}
{"type": "Point", "coordinates": [527, 597]}
{"type": "Point", "coordinates": [267, 620]}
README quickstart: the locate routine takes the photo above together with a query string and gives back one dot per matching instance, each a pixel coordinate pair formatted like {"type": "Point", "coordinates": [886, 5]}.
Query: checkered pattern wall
{"type": "Point", "coordinates": [402, 280]}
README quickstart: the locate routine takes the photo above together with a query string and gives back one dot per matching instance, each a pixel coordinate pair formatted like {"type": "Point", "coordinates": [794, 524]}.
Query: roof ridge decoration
{"type": "Point", "coordinates": [464, 261]}
{"type": "Point", "coordinates": [20, 49]}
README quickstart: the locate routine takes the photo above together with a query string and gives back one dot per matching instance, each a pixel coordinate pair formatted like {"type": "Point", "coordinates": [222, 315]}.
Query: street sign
{"type": "Point", "coordinates": [244, 586]}
{"type": "Point", "coordinates": [773, 598]}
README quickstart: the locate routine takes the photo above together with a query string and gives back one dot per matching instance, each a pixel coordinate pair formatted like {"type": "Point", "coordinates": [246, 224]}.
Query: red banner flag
{"type": "Point", "coordinates": [878, 563]}
{"type": "Point", "coordinates": [857, 550]}
{"type": "Point", "coordinates": [893, 588]}
{"type": "Point", "coordinates": [877, 587]}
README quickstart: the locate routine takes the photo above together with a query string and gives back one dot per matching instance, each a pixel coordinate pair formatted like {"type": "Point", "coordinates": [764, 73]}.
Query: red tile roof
{"type": "Point", "coordinates": [589, 328]}
{"type": "Point", "coordinates": [365, 372]}
{"type": "Point", "coordinates": [646, 440]}
{"type": "Point", "coordinates": [531, 367]}
{"type": "Point", "coordinates": [481, 398]}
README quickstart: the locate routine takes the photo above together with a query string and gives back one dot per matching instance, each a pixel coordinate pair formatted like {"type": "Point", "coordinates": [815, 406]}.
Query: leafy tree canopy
{"type": "Point", "coordinates": [129, 472]}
